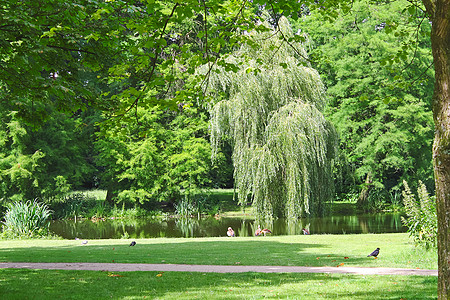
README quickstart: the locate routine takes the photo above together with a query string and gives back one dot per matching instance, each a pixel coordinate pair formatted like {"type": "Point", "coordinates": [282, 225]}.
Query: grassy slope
{"type": "Point", "coordinates": [313, 250]}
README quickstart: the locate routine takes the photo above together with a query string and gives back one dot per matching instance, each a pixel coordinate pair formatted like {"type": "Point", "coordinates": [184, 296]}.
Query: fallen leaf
{"type": "Point", "coordinates": [158, 275]}
{"type": "Point", "coordinates": [346, 257]}
{"type": "Point", "coordinates": [318, 258]}
{"type": "Point", "coordinates": [115, 275]}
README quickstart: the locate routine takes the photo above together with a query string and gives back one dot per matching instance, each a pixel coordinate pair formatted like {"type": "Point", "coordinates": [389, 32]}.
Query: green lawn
{"type": "Point", "coordinates": [313, 250]}
{"type": "Point", "coordinates": [51, 284]}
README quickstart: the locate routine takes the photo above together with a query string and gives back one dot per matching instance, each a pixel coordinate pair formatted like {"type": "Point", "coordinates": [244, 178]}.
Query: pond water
{"type": "Point", "coordinates": [214, 227]}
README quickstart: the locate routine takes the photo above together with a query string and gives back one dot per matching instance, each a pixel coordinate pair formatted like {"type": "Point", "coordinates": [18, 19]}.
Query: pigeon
{"type": "Point", "coordinates": [374, 253]}
{"type": "Point", "coordinates": [132, 243]}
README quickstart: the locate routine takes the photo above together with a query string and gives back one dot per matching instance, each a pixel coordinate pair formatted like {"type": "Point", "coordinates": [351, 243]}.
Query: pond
{"type": "Point", "coordinates": [214, 227]}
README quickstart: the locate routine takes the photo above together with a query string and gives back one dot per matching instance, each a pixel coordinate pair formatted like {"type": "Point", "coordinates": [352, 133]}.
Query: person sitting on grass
{"type": "Point", "coordinates": [230, 232]}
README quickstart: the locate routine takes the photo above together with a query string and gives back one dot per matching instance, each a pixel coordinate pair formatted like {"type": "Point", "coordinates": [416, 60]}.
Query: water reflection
{"type": "Point", "coordinates": [210, 227]}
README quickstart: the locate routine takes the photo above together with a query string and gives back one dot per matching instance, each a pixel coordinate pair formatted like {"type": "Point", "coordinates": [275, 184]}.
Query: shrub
{"type": "Point", "coordinates": [26, 219]}
{"type": "Point", "coordinates": [421, 217]}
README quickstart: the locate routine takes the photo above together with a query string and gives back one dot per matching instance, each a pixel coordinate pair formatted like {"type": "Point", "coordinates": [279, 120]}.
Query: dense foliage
{"type": "Point", "coordinates": [375, 62]}
{"type": "Point", "coordinates": [270, 112]}
{"type": "Point", "coordinates": [128, 143]}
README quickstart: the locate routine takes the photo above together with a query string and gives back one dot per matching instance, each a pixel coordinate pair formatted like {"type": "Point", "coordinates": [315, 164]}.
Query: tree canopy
{"type": "Point", "coordinates": [271, 112]}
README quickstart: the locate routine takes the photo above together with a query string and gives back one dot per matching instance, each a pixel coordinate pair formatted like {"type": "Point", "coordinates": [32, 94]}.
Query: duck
{"type": "Point", "coordinates": [260, 231]}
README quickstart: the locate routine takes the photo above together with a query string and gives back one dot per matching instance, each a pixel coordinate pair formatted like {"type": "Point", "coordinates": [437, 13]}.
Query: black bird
{"type": "Point", "coordinates": [132, 243]}
{"type": "Point", "coordinates": [374, 253]}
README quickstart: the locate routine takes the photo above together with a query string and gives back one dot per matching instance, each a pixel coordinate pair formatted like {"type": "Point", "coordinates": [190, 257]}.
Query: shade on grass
{"type": "Point", "coordinates": [51, 284]}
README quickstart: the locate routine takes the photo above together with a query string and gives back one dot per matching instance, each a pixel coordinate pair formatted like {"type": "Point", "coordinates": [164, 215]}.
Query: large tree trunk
{"type": "Point", "coordinates": [439, 12]}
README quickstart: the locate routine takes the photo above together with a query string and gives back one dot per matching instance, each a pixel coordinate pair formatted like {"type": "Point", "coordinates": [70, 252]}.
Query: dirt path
{"type": "Point", "coordinates": [113, 267]}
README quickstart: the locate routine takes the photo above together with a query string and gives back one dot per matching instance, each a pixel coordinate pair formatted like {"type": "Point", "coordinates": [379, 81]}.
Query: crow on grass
{"type": "Point", "coordinates": [374, 253]}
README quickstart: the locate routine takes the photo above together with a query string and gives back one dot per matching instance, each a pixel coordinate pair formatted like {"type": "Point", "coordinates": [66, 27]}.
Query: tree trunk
{"type": "Point", "coordinates": [364, 194]}
{"type": "Point", "coordinates": [440, 43]}
{"type": "Point", "coordinates": [110, 195]}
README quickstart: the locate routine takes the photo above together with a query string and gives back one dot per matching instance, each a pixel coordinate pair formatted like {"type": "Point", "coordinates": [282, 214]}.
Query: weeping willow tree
{"type": "Point", "coordinates": [270, 111]}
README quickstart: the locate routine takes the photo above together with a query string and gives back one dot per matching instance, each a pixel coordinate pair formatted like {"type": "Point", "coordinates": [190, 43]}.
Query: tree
{"type": "Point", "coordinates": [438, 12]}
{"type": "Point", "coordinates": [271, 112]}
{"type": "Point", "coordinates": [165, 155]}
{"type": "Point", "coordinates": [130, 38]}
{"type": "Point", "coordinates": [379, 104]}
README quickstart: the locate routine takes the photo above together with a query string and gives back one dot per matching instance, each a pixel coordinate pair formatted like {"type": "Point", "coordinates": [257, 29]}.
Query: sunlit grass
{"type": "Point", "coordinates": [93, 194]}
{"type": "Point", "coordinates": [313, 250]}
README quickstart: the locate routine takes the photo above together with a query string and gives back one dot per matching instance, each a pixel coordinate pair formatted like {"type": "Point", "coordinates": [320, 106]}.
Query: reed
{"type": "Point", "coordinates": [26, 219]}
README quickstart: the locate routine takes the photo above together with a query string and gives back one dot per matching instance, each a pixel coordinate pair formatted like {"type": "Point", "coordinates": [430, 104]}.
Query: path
{"type": "Point", "coordinates": [116, 267]}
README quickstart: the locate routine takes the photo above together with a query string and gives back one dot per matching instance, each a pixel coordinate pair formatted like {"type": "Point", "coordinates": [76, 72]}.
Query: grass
{"type": "Point", "coordinates": [313, 250]}
{"type": "Point", "coordinates": [94, 194]}
{"type": "Point", "coordinates": [52, 284]}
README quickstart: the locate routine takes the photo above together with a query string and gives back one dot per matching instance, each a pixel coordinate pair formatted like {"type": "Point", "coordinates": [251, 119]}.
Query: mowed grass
{"type": "Point", "coordinates": [52, 284]}
{"type": "Point", "coordinates": [313, 250]}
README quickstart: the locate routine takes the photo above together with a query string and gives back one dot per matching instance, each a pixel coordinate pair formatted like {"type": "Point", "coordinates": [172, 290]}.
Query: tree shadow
{"type": "Point", "coordinates": [47, 284]}
{"type": "Point", "coordinates": [259, 251]}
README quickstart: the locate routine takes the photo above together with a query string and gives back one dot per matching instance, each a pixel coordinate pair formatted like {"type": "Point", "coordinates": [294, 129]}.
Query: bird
{"type": "Point", "coordinates": [258, 231]}
{"type": "Point", "coordinates": [132, 243]}
{"type": "Point", "coordinates": [263, 231]}
{"type": "Point", "coordinates": [305, 231]}
{"type": "Point", "coordinates": [374, 253]}
{"type": "Point", "coordinates": [230, 232]}
{"type": "Point", "coordinates": [84, 242]}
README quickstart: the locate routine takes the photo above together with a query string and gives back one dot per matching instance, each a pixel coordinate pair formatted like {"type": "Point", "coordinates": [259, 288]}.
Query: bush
{"type": "Point", "coordinates": [421, 216]}
{"type": "Point", "coordinates": [26, 219]}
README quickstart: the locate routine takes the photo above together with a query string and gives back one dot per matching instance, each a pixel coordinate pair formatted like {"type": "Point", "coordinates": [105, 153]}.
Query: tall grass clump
{"type": "Point", "coordinates": [421, 217]}
{"type": "Point", "coordinates": [185, 208]}
{"type": "Point", "coordinates": [26, 219]}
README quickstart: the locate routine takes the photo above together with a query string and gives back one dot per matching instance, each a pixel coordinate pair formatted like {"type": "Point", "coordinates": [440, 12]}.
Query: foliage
{"type": "Point", "coordinates": [26, 220]}
{"type": "Point", "coordinates": [421, 215]}
{"type": "Point", "coordinates": [77, 205]}
{"type": "Point", "coordinates": [164, 155]}
{"type": "Point", "coordinates": [270, 112]}
{"type": "Point", "coordinates": [380, 85]}
{"type": "Point", "coordinates": [45, 162]}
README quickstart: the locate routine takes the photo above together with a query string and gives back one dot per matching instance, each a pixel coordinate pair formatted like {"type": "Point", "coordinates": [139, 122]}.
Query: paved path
{"type": "Point", "coordinates": [113, 267]}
